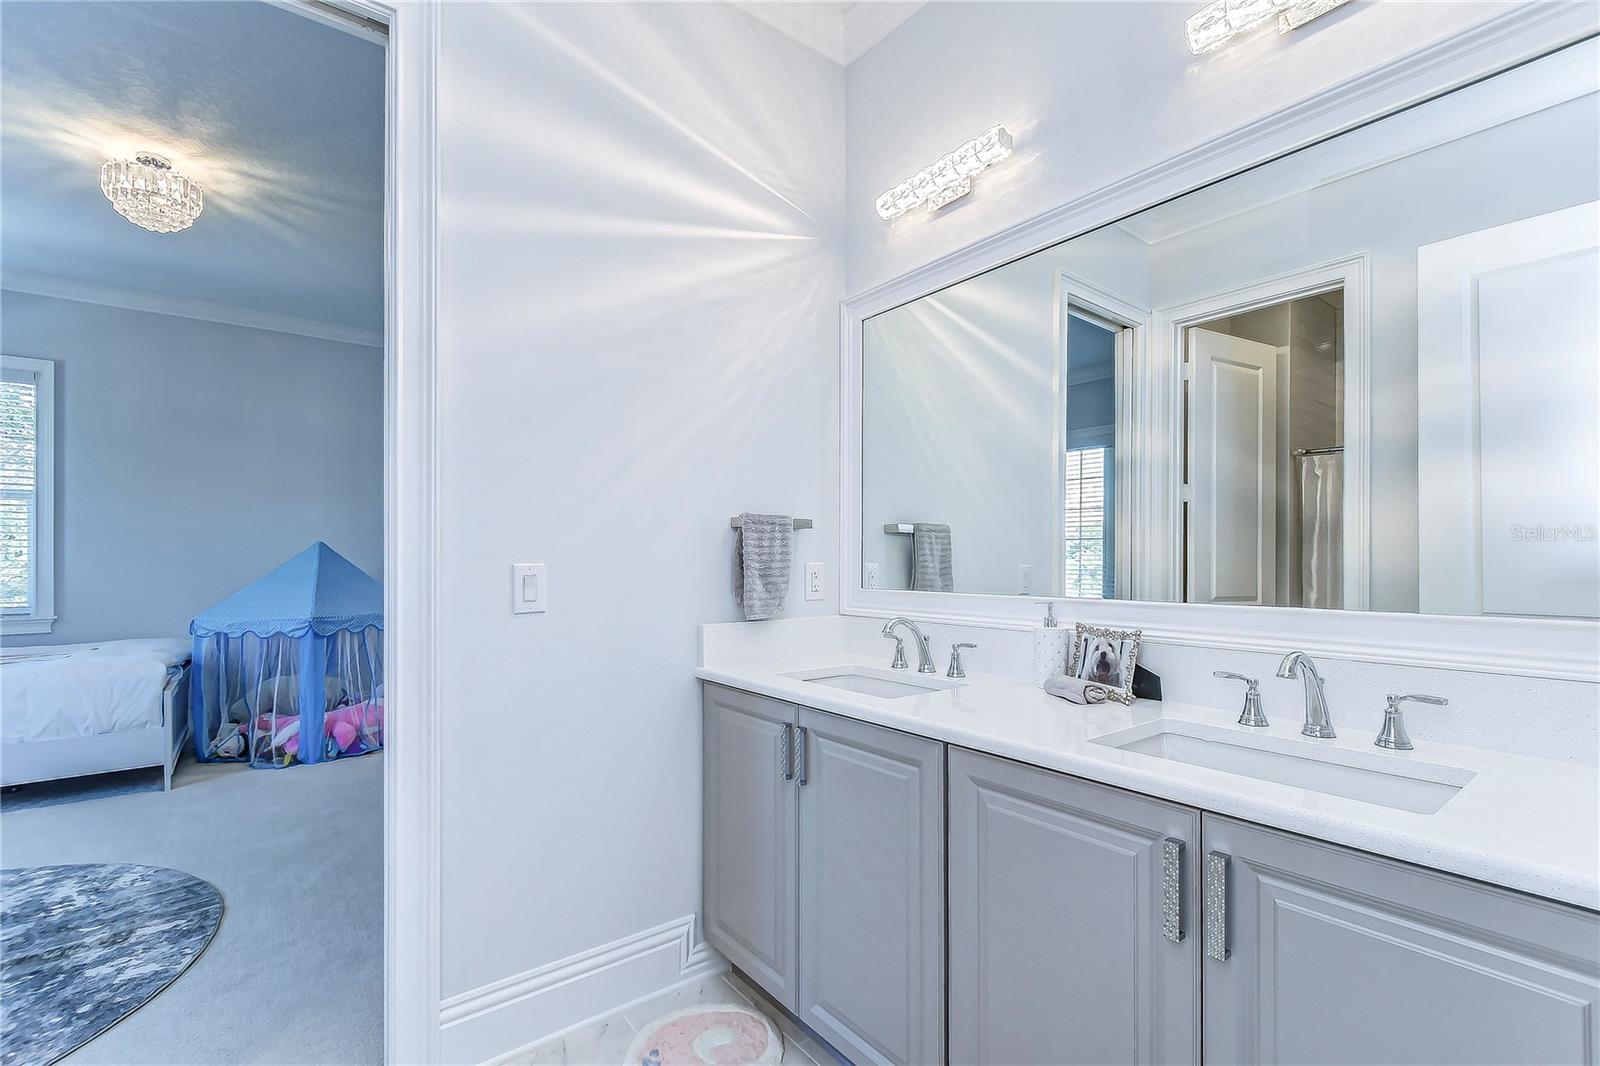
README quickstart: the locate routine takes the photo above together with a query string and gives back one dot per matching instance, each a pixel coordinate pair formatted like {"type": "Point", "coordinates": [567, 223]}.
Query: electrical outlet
{"type": "Point", "coordinates": [813, 581]}
{"type": "Point", "coordinates": [1024, 579]}
{"type": "Point", "coordinates": [871, 579]}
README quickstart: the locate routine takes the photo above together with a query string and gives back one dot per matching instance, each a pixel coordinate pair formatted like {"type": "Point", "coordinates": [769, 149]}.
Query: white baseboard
{"type": "Point", "coordinates": [504, 1018]}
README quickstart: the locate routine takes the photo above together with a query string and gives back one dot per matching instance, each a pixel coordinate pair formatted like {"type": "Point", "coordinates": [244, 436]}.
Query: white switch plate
{"type": "Point", "coordinates": [528, 592]}
{"type": "Point", "coordinates": [813, 581]}
{"type": "Point", "coordinates": [1025, 579]}
{"type": "Point", "coordinates": [872, 576]}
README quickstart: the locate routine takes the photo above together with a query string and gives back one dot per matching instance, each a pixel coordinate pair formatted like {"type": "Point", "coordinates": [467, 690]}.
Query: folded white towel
{"type": "Point", "coordinates": [1075, 690]}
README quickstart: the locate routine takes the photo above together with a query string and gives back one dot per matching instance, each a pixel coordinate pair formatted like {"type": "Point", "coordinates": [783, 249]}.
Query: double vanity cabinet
{"type": "Point", "coordinates": [918, 902]}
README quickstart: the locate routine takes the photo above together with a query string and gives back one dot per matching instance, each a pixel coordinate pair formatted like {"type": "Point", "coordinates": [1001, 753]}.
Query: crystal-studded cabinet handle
{"type": "Point", "coordinates": [786, 752]}
{"type": "Point", "coordinates": [802, 734]}
{"type": "Point", "coordinates": [1216, 882]}
{"type": "Point", "coordinates": [1172, 889]}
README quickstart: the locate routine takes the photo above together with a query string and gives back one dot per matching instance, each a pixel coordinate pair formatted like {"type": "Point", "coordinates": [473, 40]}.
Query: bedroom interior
{"type": "Point", "coordinates": [192, 539]}
{"type": "Point", "coordinates": [833, 532]}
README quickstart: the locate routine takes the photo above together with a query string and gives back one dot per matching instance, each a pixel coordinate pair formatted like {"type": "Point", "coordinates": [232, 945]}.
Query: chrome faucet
{"type": "Point", "coordinates": [924, 655]}
{"type": "Point", "coordinates": [1299, 664]}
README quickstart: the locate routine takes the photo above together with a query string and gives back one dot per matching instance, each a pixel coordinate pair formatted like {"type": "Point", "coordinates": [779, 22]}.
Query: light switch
{"type": "Point", "coordinates": [528, 592]}
{"type": "Point", "coordinates": [813, 581]}
{"type": "Point", "coordinates": [1024, 579]}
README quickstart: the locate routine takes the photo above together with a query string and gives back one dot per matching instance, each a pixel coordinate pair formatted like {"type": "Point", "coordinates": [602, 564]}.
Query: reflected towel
{"type": "Point", "coordinates": [930, 558]}
{"type": "Point", "coordinates": [1075, 690]}
{"type": "Point", "coordinates": [762, 547]}
{"type": "Point", "coordinates": [1322, 530]}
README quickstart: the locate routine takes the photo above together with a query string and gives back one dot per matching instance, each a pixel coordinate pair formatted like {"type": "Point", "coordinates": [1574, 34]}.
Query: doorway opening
{"type": "Point", "coordinates": [1264, 466]}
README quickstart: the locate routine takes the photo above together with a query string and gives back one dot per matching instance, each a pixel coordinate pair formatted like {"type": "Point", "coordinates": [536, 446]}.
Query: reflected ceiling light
{"type": "Point", "coordinates": [146, 191]}
{"type": "Point", "coordinates": [947, 179]}
{"type": "Point", "coordinates": [1222, 20]}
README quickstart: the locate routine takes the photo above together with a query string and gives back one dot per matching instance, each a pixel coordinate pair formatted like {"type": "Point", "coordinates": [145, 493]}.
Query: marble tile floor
{"type": "Point", "coordinates": [603, 1042]}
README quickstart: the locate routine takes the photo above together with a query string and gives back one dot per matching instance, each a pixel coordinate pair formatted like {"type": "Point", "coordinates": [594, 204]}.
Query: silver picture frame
{"type": "Point", "coordinates": [1106, 657]}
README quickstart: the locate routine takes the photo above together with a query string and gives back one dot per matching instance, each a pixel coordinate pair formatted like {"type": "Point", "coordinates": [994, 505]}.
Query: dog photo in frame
{"type": "Point", "coordinates": [1106, 657]}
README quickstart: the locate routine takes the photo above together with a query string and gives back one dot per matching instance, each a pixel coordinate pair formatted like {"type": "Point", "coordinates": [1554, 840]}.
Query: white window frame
{"type": "Point", "coordinates": [41, 616]}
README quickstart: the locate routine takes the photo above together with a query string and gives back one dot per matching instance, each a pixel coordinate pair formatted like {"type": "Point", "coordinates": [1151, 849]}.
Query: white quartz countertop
{"type": "Point", "coordinates": [1524, 823]}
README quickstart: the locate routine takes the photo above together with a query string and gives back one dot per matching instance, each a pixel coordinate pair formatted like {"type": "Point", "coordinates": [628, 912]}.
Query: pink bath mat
{"type": "Point", "coordinates": [709, 1035]}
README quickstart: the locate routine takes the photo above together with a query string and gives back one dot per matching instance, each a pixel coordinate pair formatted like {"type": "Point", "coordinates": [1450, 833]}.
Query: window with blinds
{"type": "Point", "coordinates": [19, 494]}
{"type": "Point", "coordinates": [1088, 555]}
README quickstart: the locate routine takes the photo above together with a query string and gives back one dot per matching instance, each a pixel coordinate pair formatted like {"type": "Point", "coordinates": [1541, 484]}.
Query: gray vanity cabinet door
{"type": "Point", "coordinates": [1339, 956]}
{"type": "Point", "coordinates": [750, 846]}
{"type": "Point", "coordinates": [1057, 949]}
{"type": "Point", "coordinates": [872, 890]}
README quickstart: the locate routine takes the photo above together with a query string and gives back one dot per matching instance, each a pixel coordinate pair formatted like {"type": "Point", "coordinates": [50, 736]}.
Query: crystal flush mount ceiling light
{"type": "Point", "coordinates": [146, 191]}
{"type": "Point", "coordinates": [1222, 20]}
{"type": "Point", "coordinates": [947, 179]}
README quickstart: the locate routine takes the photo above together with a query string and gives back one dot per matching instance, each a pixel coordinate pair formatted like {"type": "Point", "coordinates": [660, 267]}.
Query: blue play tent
{"type": "Point", "coordinates": [290, 669]}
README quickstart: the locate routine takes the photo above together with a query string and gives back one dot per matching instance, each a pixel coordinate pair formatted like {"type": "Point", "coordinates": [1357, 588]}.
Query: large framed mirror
{"type": "Point", "coordinates": [1364, 376]}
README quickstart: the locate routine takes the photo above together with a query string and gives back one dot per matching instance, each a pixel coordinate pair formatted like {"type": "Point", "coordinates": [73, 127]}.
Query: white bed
{"type": "Point", "coordinates": [73, 709]}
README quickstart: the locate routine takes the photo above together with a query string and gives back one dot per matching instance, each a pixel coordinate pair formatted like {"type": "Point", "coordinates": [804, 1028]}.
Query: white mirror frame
{"type": "Point", "coordinates": [1533, 647]}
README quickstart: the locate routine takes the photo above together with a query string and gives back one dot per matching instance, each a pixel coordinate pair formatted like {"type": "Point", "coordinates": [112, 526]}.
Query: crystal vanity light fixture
{"type": "Point", "coordinates": [947, 179]}
{"type": "Point", "coordinates": [146, 191]}
{"type": "Point", "coordinates": [1222, 20]}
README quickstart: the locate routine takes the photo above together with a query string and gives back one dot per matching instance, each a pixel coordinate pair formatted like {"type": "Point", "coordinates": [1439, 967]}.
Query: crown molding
{"type": "Point", "coordinates": [151, 303]}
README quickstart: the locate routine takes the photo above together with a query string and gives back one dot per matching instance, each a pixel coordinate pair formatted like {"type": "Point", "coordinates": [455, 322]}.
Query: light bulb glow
{"type": "Point", "coordinates": [948, 178]}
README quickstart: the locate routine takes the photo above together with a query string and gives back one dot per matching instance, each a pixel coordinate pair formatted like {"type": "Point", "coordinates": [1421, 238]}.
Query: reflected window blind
{"type": "Point", "coordinates": [18, 493]}
{"type": "Point", "coordinates": [1085, 519]}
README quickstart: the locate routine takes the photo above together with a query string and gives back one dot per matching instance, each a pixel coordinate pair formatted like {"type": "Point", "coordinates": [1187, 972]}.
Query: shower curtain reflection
{"type": "Point", "coordinates": [1322, 529]}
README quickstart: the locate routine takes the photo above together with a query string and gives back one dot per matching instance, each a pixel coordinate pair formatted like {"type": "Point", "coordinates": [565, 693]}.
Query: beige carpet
{"type": "Point", "coordinates": [295, 973]}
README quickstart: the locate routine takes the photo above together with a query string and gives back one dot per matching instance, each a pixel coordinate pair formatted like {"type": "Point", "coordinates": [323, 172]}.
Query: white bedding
{"type": "Point", "coordinates": [78, 690]}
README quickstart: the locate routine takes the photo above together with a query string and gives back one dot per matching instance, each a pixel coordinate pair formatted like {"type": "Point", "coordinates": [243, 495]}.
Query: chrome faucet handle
{"type": "Point", "coordinates": [1251, 715]}
{"type": "Point", "coordinates": [899, 662]}
{"type": "Point", "coordinates": [1393, 734]}
{"type": "Point", "coordinates": [1049, 612]}
{"type": "Point", "coordinates": [955, 660]}
{"type": "Point", "coordinates": [925, 662]}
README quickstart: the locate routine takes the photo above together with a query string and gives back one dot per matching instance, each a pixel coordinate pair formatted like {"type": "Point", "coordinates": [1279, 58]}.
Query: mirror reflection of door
{"type": "Point", "coordinates": [1265, 485]}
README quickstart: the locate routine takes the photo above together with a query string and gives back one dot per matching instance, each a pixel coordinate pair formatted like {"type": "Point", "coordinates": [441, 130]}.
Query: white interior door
{"type": "Point", "coordinates": [1233, 470]}
{"type": "Point", "coordinates": [1508, 392]}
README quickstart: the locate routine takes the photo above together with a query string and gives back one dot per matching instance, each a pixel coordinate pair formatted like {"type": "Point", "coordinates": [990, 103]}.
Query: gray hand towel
{"type": "Point", "coordinates": [1075, 690]}
{"type": "Point", "coordinates": [930, 558]}
{"type": "Point", "coordinates": [762, 546]}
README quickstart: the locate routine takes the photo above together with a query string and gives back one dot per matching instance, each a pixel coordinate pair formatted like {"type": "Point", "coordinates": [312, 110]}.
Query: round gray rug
{"type": "Point", "coordinates": [82, 947]}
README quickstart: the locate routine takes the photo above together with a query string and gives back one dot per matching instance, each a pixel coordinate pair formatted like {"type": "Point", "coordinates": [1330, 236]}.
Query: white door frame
{"type": "Point", "coordinates": [1170, 328]}
{"type": "Point", "coordinates": [410, 525]}
{"type": "Point", "coordinates": [1132, 322]}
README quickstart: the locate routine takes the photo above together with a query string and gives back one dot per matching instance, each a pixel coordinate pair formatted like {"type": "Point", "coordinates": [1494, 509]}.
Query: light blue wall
{"type": "Point", "coordinates": [1090, 348]}
{"type": "Point", "coordinates": [194, 456]}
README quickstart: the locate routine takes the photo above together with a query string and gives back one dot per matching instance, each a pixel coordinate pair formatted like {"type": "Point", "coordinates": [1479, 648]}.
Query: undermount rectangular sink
{"type": "Point", "coordinates": [1386, 780]}
{"type": "Point", "coordinates": [870, 681]}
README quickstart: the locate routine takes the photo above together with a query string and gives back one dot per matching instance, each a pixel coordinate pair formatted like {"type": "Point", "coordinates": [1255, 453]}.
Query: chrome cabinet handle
{"type": "Point", "coordinates": [1172, 889]}
{"type": "Point", "coordinates": [786, 753]}
{"type": "Point", "coordinates": [1217, 906]}
{"type": "Point", "coordinates": [800, 755]}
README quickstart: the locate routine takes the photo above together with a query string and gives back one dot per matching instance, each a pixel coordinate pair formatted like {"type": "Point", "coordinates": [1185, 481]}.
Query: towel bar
{"type": "Point", "coordinates": [898, 527]}
{"type": "Point", "coordinates": [799, 523]}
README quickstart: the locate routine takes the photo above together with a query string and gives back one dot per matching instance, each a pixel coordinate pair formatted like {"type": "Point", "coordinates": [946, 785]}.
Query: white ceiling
{"type": "Point", "coordinates": [841, 31]}
{"type": "Point", "coordinates": [279, 117]}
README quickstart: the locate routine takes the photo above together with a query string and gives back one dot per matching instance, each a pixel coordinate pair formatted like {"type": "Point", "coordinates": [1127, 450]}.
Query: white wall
{"type": "Point", "coordinates": [1092, 92]}
{"type": "Point", "coordinates": [192, 457]}
{"type": "Point", "coordinates": [641, 261]}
